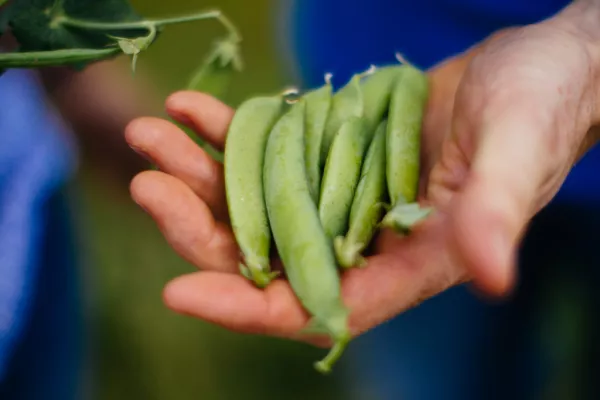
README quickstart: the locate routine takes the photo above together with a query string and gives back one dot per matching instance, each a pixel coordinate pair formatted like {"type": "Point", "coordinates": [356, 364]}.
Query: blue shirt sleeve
{"type": "Point", "coordinates": [36, 158]}
{"type": "Point", "coordinates": [345, 36]}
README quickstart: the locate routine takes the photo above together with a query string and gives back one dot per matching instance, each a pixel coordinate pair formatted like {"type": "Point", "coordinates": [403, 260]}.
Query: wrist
{"type": "Point", "coordinates": [580, 20]}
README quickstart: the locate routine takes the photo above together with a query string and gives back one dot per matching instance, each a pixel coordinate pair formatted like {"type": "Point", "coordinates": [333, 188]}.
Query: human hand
{"type": "Point", "coordinates": [504, 125]}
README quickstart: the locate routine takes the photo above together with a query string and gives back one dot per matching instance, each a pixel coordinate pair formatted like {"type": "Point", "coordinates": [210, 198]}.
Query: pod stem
{"type": "Point", "coordinates": [372, 69]}
{"type": "Point", "coordinates": [324, 366]}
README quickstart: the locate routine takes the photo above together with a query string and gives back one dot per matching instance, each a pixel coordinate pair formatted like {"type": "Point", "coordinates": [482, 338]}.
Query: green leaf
{"type": "Point", "coordinates": [36, 23]}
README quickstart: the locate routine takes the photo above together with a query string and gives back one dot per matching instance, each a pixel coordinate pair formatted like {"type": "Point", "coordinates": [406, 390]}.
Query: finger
{"type": "Point", "coordinates": [510, 168]}
{"type": "Point", "coordinates": [390, 284]}
{"type": "Point", "coordinates": [176, 154]}
{"type": "Point", "coordinates": [206, 115]}
{"type": "Point", "coordinates": [186, 221]}
{"type": "Point", "coordinates": [234, 302]}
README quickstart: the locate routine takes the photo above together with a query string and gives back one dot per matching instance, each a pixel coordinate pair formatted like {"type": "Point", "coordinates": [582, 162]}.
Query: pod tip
{"type": "Point", "coordinates": [289, 91]}
{"type": "Point", "coordinates": [328, 77]}
{"type": "Point", "coordinates": [260, 277]}
{"type": "Point", "coordinates": [348, 254]}
{"type": "Point", "coordinates": [372, 69]}
{"type": "Point", "coordinates": [401, 59]}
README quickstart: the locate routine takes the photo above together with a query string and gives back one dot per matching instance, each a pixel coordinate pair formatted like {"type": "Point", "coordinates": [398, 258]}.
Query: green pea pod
{"type": "Point", "coordinates": [341, 176]}
{"type": "Point", "coordinates": [346, 103]}
{"type": "Point", "coordinates": [403, 142]}
{"type": "Point", "coordinates": [305, 250]}
{"type": "Point", "coordinates": [377, 91]}
{"type": "Point", "coordinates": [318, 103]}
{"type": "Point", "coordinates": [367, 206]}
{"type": "Point", "coordinates": [244, 156]}
{"type": "Point", "coordinates": [404, 217]}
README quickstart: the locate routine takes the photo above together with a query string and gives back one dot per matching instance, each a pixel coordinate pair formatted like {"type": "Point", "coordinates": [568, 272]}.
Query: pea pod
{"type": "Point", "coordinates": [304, 248]}
{"type": "Point", "coordinates": [318, 103]}
{"type": "Point", "coordinates": [377, 90]}
{"type": "Point", "coordinates": [244, 156]}
{"type": "Point", "coordinates": [346, 103]}
{"type": "Point", "coordinates": [403, 142]}
{"type": "Point", "coordinates": [367, 206]}
{"type": "Point", "coordinates": [341, 176]}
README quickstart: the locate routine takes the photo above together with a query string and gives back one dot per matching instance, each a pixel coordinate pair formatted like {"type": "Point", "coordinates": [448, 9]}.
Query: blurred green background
{"type": "Point", "coordinates": [142, 350]}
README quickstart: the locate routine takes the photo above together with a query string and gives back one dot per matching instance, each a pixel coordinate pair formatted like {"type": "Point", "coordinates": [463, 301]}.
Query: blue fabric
{"type": "Point", "coordinates": [430, 352]}
{"type": "Point", "coordinates": [46, 360]}
{"type": "Point", "coordinates": [36, 160]}
{"type": "Point", "coordinates": [346, 36]}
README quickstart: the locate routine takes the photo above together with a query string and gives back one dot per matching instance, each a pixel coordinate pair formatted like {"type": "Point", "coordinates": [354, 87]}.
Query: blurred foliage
{"type": "Point", "coordinates": [174, 58]}
{"type": "Point", "coordinates": [143, 350]}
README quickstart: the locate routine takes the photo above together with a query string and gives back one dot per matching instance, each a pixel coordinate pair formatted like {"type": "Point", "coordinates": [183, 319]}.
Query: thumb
{"type": "Point", "coordinates": [509, 170]}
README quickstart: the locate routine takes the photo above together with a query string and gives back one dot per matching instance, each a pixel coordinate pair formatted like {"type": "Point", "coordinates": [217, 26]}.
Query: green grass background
{"type": "Point", "coordinates": [142, 350]}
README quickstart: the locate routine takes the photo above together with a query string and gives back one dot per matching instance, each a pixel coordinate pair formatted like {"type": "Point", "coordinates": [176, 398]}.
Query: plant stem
{"type": "Point", "coordinates": [149, 23]}
{"type": "Point", "coordinates": [35, 59]}
{"type": "Point", "coordinates": [324, 366]}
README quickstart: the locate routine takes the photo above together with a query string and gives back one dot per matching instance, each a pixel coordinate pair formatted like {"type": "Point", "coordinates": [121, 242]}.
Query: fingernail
{"type": "Point", "coordinates": [140, 152]}
{"type": "Point", "coordinates": [137, 203]}
{"type": "Point", "coordinates": [142, 207]}
{"type": "Point", "coordinates": [181, 117]}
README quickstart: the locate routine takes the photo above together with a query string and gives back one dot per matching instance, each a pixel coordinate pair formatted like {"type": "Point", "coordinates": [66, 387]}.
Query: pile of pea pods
{"type": "Point", "coordinates": [317, 174]}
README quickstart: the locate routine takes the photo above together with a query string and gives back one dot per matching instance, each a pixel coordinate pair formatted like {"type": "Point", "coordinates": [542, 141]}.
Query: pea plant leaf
{"type": "Point", "coordinates": [36, 24]}
{"type": "Point", "coordinates": [47, 30]}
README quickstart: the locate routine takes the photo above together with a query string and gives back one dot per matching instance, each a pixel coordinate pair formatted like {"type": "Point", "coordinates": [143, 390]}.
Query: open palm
{"type": "Point", "coordinates": [479, 117]}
